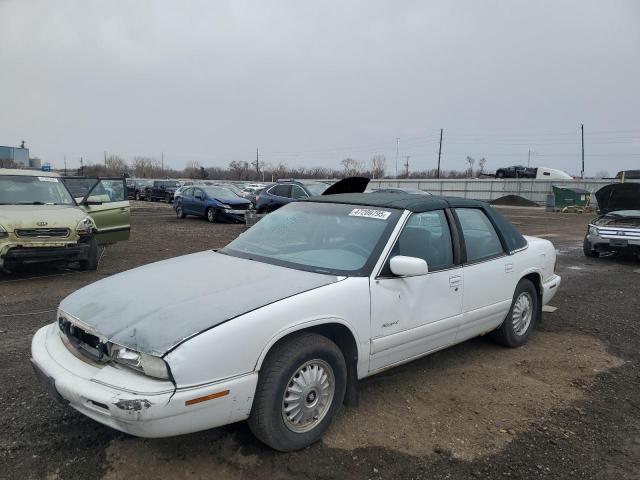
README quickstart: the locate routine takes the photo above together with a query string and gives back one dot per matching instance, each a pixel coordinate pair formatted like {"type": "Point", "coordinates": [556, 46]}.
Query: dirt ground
{"type": "Point", "coordinates": [567, 405]}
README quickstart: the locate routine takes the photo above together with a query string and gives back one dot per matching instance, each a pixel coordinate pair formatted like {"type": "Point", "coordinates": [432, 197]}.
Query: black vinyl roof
{"type": "Point", "coordinates": [511, 237]}
{"type": "Point", "coordinates": [402, 201]}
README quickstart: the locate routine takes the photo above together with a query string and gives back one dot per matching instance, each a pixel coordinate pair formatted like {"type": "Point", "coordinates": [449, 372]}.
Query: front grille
{"type": "Point", "coordinates": [242, 206]}
{"type": "Point", "coordinates": [42, 232]}
{"type": "Point", "coordinates": [619, 233]}
{"type": "Point", "coordinates": [84, 342]}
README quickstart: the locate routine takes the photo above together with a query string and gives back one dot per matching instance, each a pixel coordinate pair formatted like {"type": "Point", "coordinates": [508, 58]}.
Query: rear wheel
{"type": "Point", "coordinates": [588, 252]}
{"type": "Point", "coordinates": [522, 316]}
{"type": "Point", "coordinates": [300, 389]}
{"type": "Point", "coordinates": [91, 262]}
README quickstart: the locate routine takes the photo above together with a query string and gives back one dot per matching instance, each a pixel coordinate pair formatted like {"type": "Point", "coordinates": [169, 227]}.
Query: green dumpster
{"type": "Point", "coordinates": [570, 197]}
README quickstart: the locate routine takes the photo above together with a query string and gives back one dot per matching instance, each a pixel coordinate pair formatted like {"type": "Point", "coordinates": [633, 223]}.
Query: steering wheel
{"type": "Point", "coordinates": [354, 247]}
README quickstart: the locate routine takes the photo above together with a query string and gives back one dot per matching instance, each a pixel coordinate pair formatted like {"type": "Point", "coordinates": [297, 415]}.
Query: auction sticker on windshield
{"type": "Point", "coordinates": [48, 179]}
{"type": "Point", "coordinates": [369, 213]}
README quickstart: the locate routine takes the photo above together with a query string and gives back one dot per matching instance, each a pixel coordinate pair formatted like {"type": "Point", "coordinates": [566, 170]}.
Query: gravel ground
{"type": "Point", "coordinates": [567, 405]}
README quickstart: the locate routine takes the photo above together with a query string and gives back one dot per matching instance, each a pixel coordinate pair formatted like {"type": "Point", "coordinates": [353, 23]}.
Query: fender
{"type": "Point", "coordinates": [312, 323]}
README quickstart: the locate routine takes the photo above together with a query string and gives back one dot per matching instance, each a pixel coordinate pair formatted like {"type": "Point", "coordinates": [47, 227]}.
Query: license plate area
{"type": "Point", "coordinates": [50, 383]}
{"type": "Point", "coordinates": [618, 242]}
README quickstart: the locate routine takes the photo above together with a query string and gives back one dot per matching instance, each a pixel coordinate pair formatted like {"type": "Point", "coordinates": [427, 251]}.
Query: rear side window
{"type": "Point", "coordinates": [298, 192]}
{"type": "Point", "coordinates": [281, 191]}
{"type": "Point", "coordinates": [480, 237]}
{"type": "Point", "coordinates": [427, 236]}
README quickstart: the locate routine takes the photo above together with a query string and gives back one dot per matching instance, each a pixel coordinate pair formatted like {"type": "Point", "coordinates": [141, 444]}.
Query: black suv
{"type": "Point", "coordinates": [516, 171]}
{"type": "Point", "coordinates": [136, 188]}
{"type": "Point", "coordinates": [162, 190]}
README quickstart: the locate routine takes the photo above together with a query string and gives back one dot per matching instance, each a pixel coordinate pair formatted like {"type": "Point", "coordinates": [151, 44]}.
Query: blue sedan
{"type": "Point", "coordinates": [215, 203]}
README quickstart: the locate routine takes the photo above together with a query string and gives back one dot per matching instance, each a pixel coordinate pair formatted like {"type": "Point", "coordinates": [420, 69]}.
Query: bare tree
{"type": "Point", "coordinates": [146, 167]}
{"type": "Point", "coordinates": [378, 166]}
{"type": "Point", "coordinates": [351, 167]}
{"type": "Point", "coordinates": [471, 161]}
{"type": "Point", "coordinates": [481, 163]}
{"type": "Point", "coordinates": [239, 169]}
{"type": "Point", "coordinates": [193, 169]}
{"type": "Point", "coordinates": [116, 165]}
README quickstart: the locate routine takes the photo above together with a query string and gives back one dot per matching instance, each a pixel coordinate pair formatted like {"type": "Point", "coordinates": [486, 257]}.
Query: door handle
{"type": "Point", "coordinates": [508, 268]}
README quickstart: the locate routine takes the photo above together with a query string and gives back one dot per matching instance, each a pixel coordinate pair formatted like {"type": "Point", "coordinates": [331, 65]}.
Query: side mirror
{"type": "Point", "coordinates": [408, 266]}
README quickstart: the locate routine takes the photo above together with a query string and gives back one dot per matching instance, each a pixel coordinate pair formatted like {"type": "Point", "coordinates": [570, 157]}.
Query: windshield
{"type": "Point", "coordinates": [316, 188]}
{"type": "Point", "coordinates": [321, 237]}
{"type": "Point", "coordinates": [28, 190]}
{"type": "Point", "coordinates": [219, 192]}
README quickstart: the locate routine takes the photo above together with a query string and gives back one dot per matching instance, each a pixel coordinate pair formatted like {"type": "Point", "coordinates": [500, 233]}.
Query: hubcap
{"type": "Point", "coordinates": [179, 211]}
{"type": "Point", "coordinates": [308, 396]}
{"type": "Point", "coordinates": [522, 313]}
{"type": "Point", "coordinates": [210, 215]}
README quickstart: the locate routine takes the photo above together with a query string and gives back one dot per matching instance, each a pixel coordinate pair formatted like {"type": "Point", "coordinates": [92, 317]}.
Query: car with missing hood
{"type": "Point", "coordinates": [46, 218]}
{"type": "Point", "coordinates": [278, 326]}
{"type": "Point", "coordinates": [617, 229]}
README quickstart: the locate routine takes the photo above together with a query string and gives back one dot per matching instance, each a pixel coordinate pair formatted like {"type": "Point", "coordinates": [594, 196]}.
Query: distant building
{"type": "Point", "coordinates": [19, 155]}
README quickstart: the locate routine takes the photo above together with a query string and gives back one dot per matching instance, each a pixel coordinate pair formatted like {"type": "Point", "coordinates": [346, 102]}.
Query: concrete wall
{"type": "Point", "coordinates": [491, 189]}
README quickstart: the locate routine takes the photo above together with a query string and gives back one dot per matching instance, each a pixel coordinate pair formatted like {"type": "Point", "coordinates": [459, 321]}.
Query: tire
{"type": "Point", "coordinates": [211, 215]}
{"type": "Point", "coordinates": [588, 252]}
{"type": "Point", "coordinates": [137, 197]}
{"type": "Point", "coordinates": [168, 198]}
{"type": "Point", "coordinates": [91, 263]}
{"type": "Point", "coordinates": [179, 212]}
{"type": "Point", "coordinates": [264, 210]}
{"type": "Point", "coordinates": [500, 174]}
{"type": "Point", "coordinates": [522, 316]}
{"type": "Point", "coordinates": [287, 361]}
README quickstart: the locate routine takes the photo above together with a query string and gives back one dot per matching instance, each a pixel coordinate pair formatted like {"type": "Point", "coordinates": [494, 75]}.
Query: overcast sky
{"type": "Point", "coordinates": [311, 83]}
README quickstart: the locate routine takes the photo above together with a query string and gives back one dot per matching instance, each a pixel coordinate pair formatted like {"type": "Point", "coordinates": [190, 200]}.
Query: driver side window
{"type": "Point", "coordinates": [425, 235]}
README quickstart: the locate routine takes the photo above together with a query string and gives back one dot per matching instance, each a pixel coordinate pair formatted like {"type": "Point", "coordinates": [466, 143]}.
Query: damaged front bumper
{"type": "Point", "coordinates": [131, 402]}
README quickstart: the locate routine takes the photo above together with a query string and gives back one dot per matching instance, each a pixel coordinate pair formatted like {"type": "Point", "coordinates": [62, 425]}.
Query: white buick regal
{"type": "Point", "coordinates": [279, 326]}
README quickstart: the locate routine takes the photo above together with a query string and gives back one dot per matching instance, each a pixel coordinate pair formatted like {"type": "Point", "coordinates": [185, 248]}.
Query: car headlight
{"type": "Point", "coordinates": [224, 205]}
{"type": "Point", "coordinates": [3, 232]}
{"type": "Point", "coordinates": [148, 364]}
{"type": "Point", "coordinates": [593, 230]}
{"type": "Point", "coordinates": [85, 225]}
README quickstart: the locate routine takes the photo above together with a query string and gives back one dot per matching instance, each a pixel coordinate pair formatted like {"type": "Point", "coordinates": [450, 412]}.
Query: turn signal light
{"type": "Point", "coordinates": [213, 396]}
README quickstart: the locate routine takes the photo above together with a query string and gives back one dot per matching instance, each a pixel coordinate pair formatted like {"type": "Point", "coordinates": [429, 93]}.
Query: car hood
{"type": "Point", "coordinates": [619, 196]}
{"type": "Point", "coordinates": [153, 308]}
{"type": "Point", "coordinates": [233, 201]}
{"type": "Point", "coordinates": [29, 216]}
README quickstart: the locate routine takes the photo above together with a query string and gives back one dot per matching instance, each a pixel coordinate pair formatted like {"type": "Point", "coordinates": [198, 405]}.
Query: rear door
{"type": "Point", "coordinates": [105, 200]}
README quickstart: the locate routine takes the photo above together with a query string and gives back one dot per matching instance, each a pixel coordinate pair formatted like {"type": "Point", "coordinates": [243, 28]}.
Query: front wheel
{"type": "Point", "coordinates": [91, 262]}
{"type": "Point", "coordinates": [211, 215]}
{"type": "Point", "coordinates": [522, 316]}
{"type": "Point", "coordinates": [300, 389]}
{"type": "Point", "coordinates": [588, 252]}
{"type": "Point", "coordinates": [180, 212]}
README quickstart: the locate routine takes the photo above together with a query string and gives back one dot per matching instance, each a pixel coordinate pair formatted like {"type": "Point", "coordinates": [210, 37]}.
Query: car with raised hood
{"type": "Point", "coordinates": [617, 228]}
{"type": "Point", "coordinates": [278, 326]}
{"type": "Point", "coordinates": [289, 190]}
{"type": "Point", "coordinates": [46, 218]}
{"type": "Point", "coordinates": [213, 202]}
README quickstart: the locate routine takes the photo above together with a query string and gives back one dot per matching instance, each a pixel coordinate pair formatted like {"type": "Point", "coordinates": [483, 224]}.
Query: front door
{"type": "Point", "coordinates": [104, 199]}
{"type": "Point", "coordinates": [412, 316]}
{"type": "Point", "coordinates": [488, 274]}
{"type": "Point", "coordinates": [198, 205]}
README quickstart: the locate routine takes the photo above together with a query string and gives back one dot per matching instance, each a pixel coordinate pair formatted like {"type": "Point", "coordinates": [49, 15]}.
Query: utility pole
{"type": "Point", "coordinates": [439, 153]}
{"type": "Point", "coordinates": [257, 163]}
{"type": "Point", "coordinates": [65, 165]}
{"type": "Point", "coordinates": [397, 154]}
{"type": "Point", "coordinates": [162, 162]}
{"type": "Point", "coordinates": [582, 137]}
{"type": "Point", "coordinates": [407, 165]}
{"type": "Point", "coordinates": [105, 159]}
{"type": "Point", "coordinates": [529, 159]}
{"type": "Point", "coordinates": [81, 168]}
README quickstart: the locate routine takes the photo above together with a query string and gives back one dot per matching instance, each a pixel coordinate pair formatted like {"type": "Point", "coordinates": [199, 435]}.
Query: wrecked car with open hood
{"type": "Point", "coordinates": [617, 229]}
{"type": "Point", "coordinates": [278, 326]}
